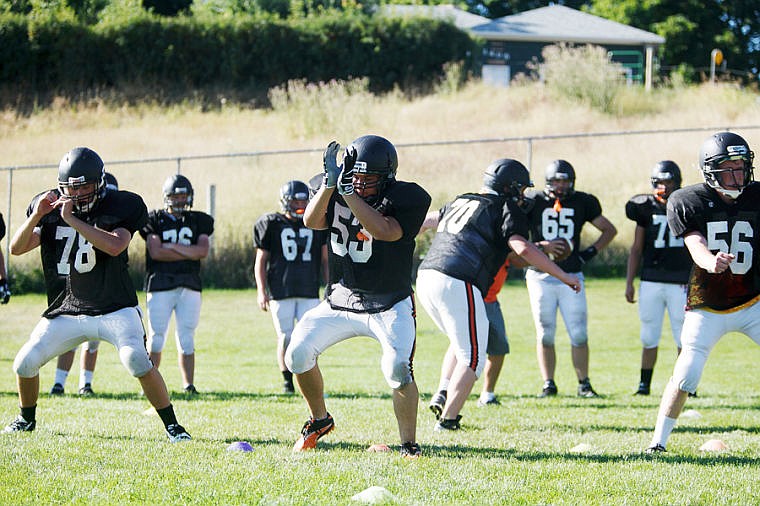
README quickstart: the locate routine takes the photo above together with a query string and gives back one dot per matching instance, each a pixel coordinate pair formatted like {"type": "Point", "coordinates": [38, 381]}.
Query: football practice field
{"type": "Point", "coordinates": [111, 448]}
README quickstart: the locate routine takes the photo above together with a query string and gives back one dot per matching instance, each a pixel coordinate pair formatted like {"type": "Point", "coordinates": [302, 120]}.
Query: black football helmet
{"type": "Point", "coordinates": [175, 186]}
{"type": "Point", "coordinates": [666, 170]}
{"type": "Point", "coordinates": [82, 167]}
{"type": "Point", "coordinates": [374, 155]}
{"type": "Point", "coordinates": [559, 169]}
{"type": "Point", "coordinates": [507, 177]}
{"type": "Point", "coordinates": [290, 191]}
{"type": "Point", "coordinates": [111, 182]}
{"type": "Point", "coordinates": [719, 148]}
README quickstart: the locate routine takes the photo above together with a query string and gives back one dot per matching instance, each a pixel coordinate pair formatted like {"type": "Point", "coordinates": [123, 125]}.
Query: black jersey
{"type": "Point", "coordinates": [183, 229]}
{"type": "Point", "coordinates": [665, 259]}
{"type": "Point", "coordinates": [96, 282]}
{"type": "Point", "coordinates": [369, 275]}
{"type": "Point", "coordinates": [551, 219]}
{"type": "Point", "coordinates": [470, 243]}
{"type": "Point", "coordinates": [2, 226]}
{"type": "Point", "coordinates": [50, 251]}
{"type": "Point", "coordinates": [731, 228]}
{"type": "Point", "coordinates": [295, 255]}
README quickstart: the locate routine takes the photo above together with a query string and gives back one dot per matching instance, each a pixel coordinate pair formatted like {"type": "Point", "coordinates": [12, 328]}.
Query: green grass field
{"type": "Point", "coordinates": [107, 450]}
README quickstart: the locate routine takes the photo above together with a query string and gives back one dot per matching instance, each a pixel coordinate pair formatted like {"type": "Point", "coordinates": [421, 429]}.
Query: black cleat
{"type": "Point", "coordinates": [445, 424]}
{"type": "Point", "coordinates": [411, 450]}
{"type": "Point", "coordinates": [177, 433]}
{"type": "Point", "coordinates": [20, 425]}
{"type": "Point", "coordinates": [549, 390]}
{"type": "Point", "coordinates": [585, 390]}
{"type": "Point", "coordinates": [190, 389]}
{"type": "Point", "coordinates": [288, 388]}
{"type": "Point", "coordinates": [437, 403]}
{"type": "Point", "coordinates": [86, 390]}
{"type": "Point", "coordinates": [57, 389]}
{"type": "Point", "coordinates": [643, 389]}
{"type": "Point", "coordinates": [655, 449]}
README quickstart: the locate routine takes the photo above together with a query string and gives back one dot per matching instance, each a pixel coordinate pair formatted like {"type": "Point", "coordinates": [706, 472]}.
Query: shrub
{"type": "Point", "coordinates": [582, 73]}
{"type": "Point", "coordinates": [320, 107]}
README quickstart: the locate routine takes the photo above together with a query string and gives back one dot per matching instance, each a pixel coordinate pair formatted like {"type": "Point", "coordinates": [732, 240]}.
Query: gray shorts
{"type": "Point", "coordinates": [497, 332]}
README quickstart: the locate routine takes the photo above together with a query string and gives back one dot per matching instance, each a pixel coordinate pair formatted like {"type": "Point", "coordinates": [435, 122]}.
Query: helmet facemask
{"type": "Point", "coordinates": [372, 155]}
{"type": "Point", "coordinates": [294, 197]}
{"type": "Point", "coordinates": [179, 201]}
{"type": "Point", "coordinates": [714, 174]}
{"type": "Point", "coordinates": [663, 185]}
{"type": "Point", "coordinates": [551, 186]}
{"type": "Point", "coordinates": [84, 202]}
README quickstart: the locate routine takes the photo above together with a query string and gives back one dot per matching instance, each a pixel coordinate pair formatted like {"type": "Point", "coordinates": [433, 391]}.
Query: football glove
{"type": "Point", "coordinates": [5, 291]}
{"type": "Point", "coordinates": [588, 253]}
{"type": "Point", "coordinates": [330, 165]}
{"type": "Point", "coordinates": [346, 180]}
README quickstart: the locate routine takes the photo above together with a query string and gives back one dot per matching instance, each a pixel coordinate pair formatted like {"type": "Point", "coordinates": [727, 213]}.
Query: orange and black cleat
{"type": "Point", "coordinates": [313, 430]}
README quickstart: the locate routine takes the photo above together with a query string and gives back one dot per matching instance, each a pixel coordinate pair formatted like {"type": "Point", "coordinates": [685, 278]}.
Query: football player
{"type": "Point", "coordinates": [719, 223]}
{"type": "Point", "coordinates": [496, 349]}
{"type": "Point", "coordinates": [665, 265]}
{"type": "Point", "coordinates": [475, 233]}
{"type": "Point", "coordinates": [5, 291]}
{"type": "Point", "coordinates": [93, 228]}
{"type": "Point", "coordinates": [372, 219]}
{"type": "Point", "coordinates": [289, 256]}
{"type": "Point", "coordinates": [559, 212]}
{"type": "Point", "coordinates": [54, 284]}
{"type": "Point", "coordinates": [176, 240]}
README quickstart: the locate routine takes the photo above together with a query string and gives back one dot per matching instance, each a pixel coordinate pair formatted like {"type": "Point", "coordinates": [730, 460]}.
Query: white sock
{"type": "Point", "coordinates": [60, 376]}
{"type": "Point", "coordinates": [444, 384]}
{"type": "Point", "coordinates": [85, 377]}
{"type": "Point", "coordinates": [662, 430]}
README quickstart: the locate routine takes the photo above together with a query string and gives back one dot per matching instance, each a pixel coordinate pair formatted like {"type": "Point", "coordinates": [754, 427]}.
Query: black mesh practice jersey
{"type": "Point", "coordinates": [665, 259]}
{"type": "Point", "coordinates": [96, 282]}
{"type": "Point", "coordinates": [183, 229]}
{"type": "Point", "coordinates": [550, 219]}
{"type": "Point", "coordinates": [470, 243]}
{"type": "Point", "coordinates": [369, 275]}
{"type": "Point", "coordinates": [731, 228]}
{"type": "Point", "coordinates": [295, 255]}
{"type": "Point", "coordinates": [50, 252]}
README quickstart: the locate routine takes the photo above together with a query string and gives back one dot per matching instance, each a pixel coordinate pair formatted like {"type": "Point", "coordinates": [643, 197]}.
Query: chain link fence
{"type": "Point", "coordinates": [239, 187]}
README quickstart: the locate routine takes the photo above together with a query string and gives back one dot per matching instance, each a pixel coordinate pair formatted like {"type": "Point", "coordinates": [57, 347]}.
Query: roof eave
{"type": "Point", "coordinates": [582, 40]}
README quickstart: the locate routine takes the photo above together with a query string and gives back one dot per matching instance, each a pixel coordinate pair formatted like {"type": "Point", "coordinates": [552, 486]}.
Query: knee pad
{"type": "Point", "coordinates": [300, 358]}
{"type": "Point", "coordinates": [186, 339]}
{"type": "Point", "coordinates": [688, 369]}
{"type": "Point", "coordinates": [135, 360]}
{"type": "Point", "coordinates": [578, 339]}
{"type": "Point", "coordinates": [397, 373]}
{"type": "Point", "coordinates": [156, 342]}
{"type": "Point", "coordinates": [28, 362]}
{"type": "Point", "coordinates": [546, 337]}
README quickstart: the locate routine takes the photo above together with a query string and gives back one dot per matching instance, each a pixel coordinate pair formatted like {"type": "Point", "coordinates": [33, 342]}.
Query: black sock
{"type": "Point", "coordinates": [167, 415]}
{"type": "Point", "coordinates": [29, 414]}
{"type": "Point", "coordinates": [288, 376]}
{"type": "Point", "coordinates": [646, 376]}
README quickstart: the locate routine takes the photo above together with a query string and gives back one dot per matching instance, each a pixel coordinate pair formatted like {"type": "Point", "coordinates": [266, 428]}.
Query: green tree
{"type": "Point", "coordinates": [693, 28]}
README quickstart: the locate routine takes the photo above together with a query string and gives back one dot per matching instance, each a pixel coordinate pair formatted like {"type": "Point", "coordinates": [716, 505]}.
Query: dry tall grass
{"type": "Point", "coordinates": [613, 168]}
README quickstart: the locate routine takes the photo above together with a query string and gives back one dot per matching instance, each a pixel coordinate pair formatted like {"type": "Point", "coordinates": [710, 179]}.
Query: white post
{"type": "Point", "coordinates": [648, 68]}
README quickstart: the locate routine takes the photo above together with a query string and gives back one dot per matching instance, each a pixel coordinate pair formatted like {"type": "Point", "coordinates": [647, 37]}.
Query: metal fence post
{"type": "Point", "coordinates": [211, 199]}
{"type": "Point", "coordinates": [529, 155]}
{"type": "Point", "coordinates": [8, 224]}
